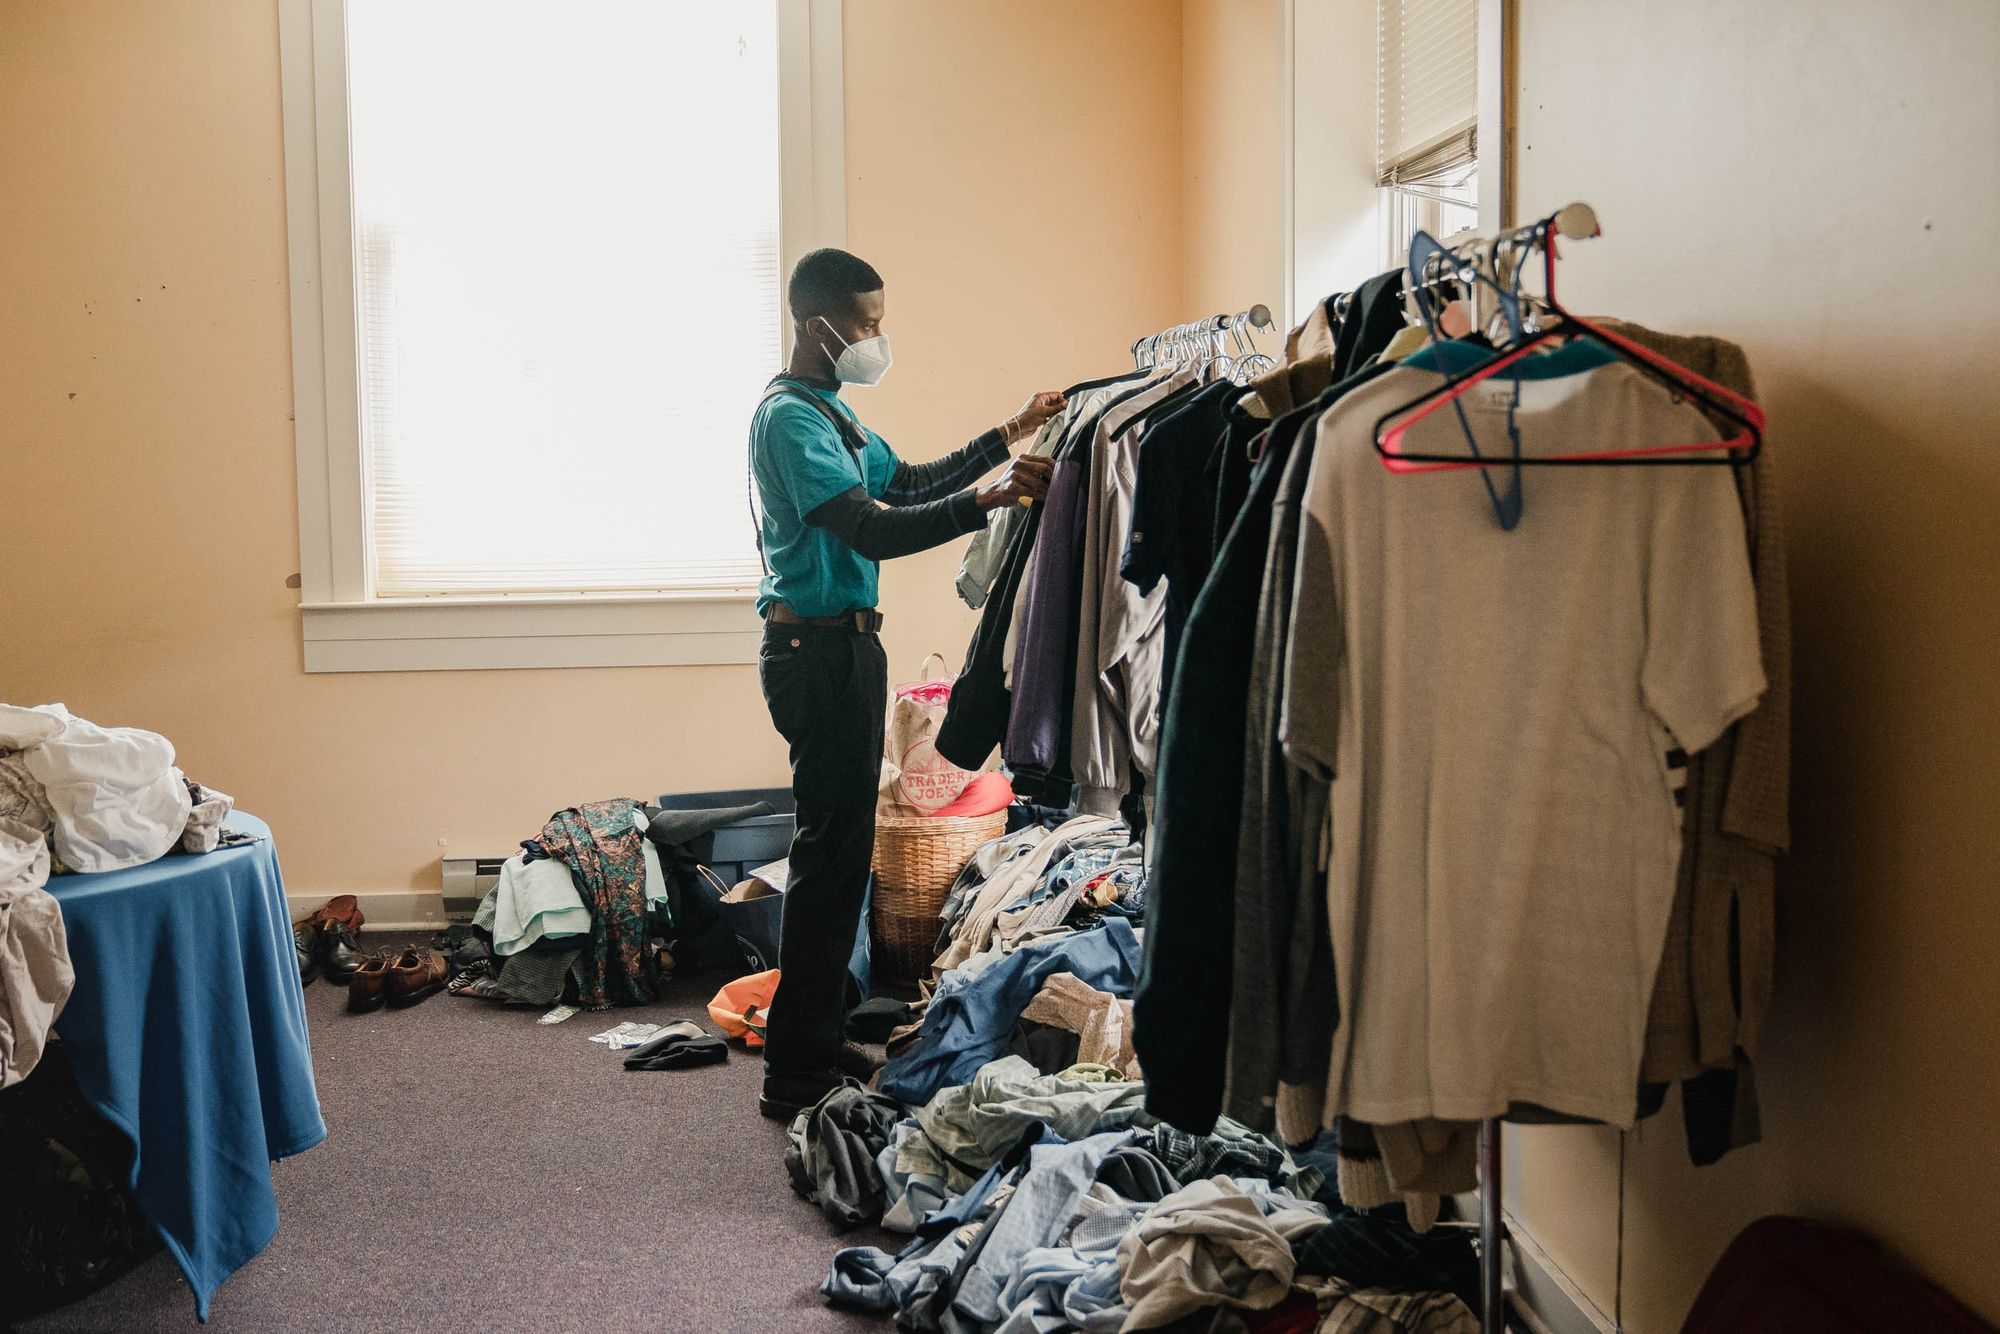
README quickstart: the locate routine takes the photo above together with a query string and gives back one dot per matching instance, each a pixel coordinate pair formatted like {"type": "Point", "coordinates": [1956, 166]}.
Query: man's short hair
{"type": "Point", "coordinates": [827, 281]}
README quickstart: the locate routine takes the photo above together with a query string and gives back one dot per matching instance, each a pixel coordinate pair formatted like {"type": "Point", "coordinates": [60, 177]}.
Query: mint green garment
{"type": "Point", "coordinates": [800, 462]}
{"type": "Point", "coordinates": [538, 899]}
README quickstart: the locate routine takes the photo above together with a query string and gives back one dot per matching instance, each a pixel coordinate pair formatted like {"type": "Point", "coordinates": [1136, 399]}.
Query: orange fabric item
{"type": "Point", "coordinates": [982, 796]}
{"type": "Point", "coordinates": [742, 1008]}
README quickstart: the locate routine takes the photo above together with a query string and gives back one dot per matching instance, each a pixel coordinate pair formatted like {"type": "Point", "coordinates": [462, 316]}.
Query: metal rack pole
{"type": "Point", "coordinates": [1492, 1232]}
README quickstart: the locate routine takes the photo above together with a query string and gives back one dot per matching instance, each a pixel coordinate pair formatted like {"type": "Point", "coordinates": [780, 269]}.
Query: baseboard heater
{"type": "Point", "coordinates": [466, 882]}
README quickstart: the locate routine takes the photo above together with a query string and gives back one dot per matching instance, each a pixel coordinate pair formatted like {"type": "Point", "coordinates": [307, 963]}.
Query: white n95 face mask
{"type": "Point", "coordinates": [864, 362]}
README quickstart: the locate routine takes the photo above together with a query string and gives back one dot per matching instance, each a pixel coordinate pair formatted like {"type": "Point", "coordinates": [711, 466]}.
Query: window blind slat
{"type": "Point", "coordinates": [568, 275]}
{"type": "Point", "coordinates": [1427, 78]}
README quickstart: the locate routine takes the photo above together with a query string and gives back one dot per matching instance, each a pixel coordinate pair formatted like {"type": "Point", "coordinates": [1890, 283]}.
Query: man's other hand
{"type": "Point", "coordinates": [1025, 480]}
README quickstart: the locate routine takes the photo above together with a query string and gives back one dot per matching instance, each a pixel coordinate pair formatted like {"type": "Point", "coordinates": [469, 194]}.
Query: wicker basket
{"type": "Point", "coordinates": [917, 859]}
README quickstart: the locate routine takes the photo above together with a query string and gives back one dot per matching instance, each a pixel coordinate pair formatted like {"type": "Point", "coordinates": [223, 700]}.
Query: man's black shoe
{"type": "Point", "coordinates": [341, 949]}
{"type": "Point", "coordinates": [789, 1092]}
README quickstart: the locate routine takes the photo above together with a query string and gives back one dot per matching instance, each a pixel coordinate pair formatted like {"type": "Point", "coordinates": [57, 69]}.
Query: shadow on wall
{"type": "Point", "coordinates": [1895, 564]}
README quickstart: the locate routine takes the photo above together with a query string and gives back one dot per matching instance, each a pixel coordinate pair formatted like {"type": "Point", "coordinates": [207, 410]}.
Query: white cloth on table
{"type": "Point", "coordinates": [118, 800]}
{"type": "Point", "coordinates": [21, 728]}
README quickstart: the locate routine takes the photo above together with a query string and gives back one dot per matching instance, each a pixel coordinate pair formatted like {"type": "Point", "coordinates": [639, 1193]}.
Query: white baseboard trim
{"type": "Point", "coordinates": [386, 909]}
{"type": "Point", "coordinates": [1543, 1297]}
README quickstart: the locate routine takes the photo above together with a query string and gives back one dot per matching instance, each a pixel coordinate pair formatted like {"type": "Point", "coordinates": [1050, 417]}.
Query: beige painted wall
{"type": "Point", "coordinates": [1231, 113]}
{"type": "Point", "coordinates": [1021, 195]}
{"type": "Point", "coordinates": [1817, 182]}
{"type": "Point", "coordinates": [146, 451]}
{"type": "Point", "coordinates": [1336, 237]}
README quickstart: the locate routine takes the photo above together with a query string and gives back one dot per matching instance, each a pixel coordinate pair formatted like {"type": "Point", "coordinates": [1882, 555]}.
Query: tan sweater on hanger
{"type": "Point", "coordinates": [1737, 815]}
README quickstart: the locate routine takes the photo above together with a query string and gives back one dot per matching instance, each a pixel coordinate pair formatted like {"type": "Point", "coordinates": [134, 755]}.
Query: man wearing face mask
{"type": "Point", "coordinates": [835, 501]}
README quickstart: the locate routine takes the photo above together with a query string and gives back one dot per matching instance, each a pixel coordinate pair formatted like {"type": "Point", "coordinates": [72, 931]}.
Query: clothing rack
{"type": "Point", "coordinates": [1476, 263]}
{"type": "Point", "coordinates": [1206, 338]}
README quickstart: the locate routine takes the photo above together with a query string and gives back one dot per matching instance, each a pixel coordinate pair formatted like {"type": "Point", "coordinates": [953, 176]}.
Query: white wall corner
{"type": "Point", "coordinates": [1548, 1298]}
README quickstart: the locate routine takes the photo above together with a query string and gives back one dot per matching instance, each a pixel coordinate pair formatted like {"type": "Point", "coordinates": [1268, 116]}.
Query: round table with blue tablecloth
{"type": "Point", "coordinates": [187, 1030]}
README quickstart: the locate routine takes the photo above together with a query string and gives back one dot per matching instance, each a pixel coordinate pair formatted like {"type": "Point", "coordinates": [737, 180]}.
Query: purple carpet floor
{"type": "Point", "coordinates": [484, 1172]}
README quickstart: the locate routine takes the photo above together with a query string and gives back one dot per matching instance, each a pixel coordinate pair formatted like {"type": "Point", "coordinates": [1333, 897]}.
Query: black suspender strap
{"type": "Point", "coordinates": [846, 428]}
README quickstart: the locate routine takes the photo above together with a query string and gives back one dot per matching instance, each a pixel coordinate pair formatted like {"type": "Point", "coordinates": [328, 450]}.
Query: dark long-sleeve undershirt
{"type": "Point", "coordinates": [880, 533]}
{"type": "Point", "coordinates": [916, 483]}
{"type": "Point", "coordinates": [927, 503]}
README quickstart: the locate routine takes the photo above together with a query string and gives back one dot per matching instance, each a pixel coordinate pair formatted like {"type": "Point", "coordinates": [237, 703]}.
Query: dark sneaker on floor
{"type": "Point", "coordinates": [342, 951]}
{"type": "Point", "coordinates": [468, 975]}
{"type": "Point", "coordinates": [789, 1092]}
{"type": "Point", "coordinates": [306, 948]}
{"type": "Point", "coordinates": [449, 939]}
{"type": "Point", "coordinates": [856, 1060]}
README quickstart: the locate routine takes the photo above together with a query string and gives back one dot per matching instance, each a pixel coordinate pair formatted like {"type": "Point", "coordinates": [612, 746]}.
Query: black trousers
{"type": "Point", "coordinates": [828, 691]}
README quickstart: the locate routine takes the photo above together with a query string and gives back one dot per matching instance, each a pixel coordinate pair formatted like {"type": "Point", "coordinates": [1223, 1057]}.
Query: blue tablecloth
{"type": "Point", "coordinates": [187, 1030]}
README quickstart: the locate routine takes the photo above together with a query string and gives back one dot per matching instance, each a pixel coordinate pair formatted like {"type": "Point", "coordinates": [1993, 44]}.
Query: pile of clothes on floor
{"type": "Point", "coordinates": [77, 798]}
{"type": "Point", "coordinates": [1008, 1137]}
{"type": "Point", "coordinates": [596, 908]}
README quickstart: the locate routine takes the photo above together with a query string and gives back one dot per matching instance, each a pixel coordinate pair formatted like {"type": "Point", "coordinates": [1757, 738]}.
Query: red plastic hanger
{"type": "Point", "coordinates": [1739, 448]}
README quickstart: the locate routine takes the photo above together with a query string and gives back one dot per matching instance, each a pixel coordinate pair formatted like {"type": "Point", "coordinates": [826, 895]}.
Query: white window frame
{"type": "Point", "coordinates": [1498, 45]}
{"type": "Point", "coordinates": [345, 627]}
{"type": "Point", "coordinates": [1333, 193]}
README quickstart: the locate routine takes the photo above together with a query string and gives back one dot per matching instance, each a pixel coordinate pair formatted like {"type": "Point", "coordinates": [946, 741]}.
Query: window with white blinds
{"type": "Point", "coordinates": [566, 235]}
{"type": "Point", "coordinates": [1427, 93]}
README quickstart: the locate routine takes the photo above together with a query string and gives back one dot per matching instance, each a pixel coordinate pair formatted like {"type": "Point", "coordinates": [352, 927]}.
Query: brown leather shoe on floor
{"type": "Point", "coordinates": [415, 974]}
{"type": "Point", "coordinates": [367, 988]}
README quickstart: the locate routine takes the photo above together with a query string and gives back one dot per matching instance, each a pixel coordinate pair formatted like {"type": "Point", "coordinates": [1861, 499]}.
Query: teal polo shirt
{"type": "Point", "coordinates": [800, 462]}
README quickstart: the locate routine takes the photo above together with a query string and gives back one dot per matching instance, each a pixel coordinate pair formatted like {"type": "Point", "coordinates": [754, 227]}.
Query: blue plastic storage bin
{"type": "Point", "coordinates": [742, 847]}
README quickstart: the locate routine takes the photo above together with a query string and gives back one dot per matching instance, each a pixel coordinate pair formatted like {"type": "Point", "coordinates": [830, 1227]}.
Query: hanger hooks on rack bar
{"type": "Point", "coordinates": [1206, 339]}
{"type": "Point", "coordinates": [1475, 264]}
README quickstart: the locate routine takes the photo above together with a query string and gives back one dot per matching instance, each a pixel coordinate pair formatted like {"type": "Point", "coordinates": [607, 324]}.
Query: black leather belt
{"type": "Point", "coordinates": [861, 622]}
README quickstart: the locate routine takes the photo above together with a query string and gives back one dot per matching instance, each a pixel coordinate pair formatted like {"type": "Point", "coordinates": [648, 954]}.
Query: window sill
{"type": "Point", "coordinates": [506, 632]}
